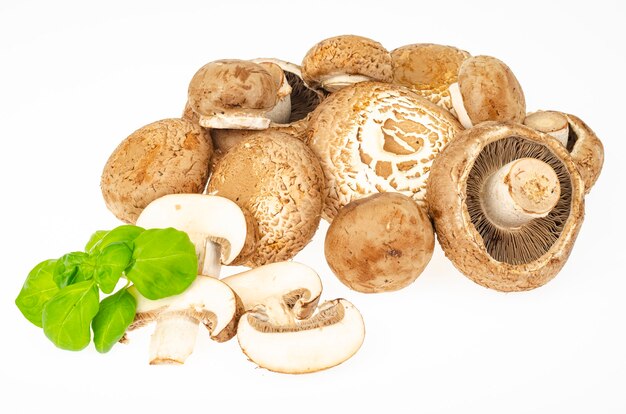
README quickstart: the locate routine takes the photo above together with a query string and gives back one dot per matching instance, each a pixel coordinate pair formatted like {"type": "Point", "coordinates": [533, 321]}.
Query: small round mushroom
{"type": "Point", "coordinates": [507, 203]}
{"type": "Point", "coordinates": [278, 180]}
{"type": "Point", "coordinates": [325, 340]}
{"type": "Point", "coordinates": [344, 60]}
{"type": "Point", "coordinates": [487, 90]}
{"type": "Point", "coordinates": [582, 143]}
{"type": "Point", "coordinates": [166, 157]}
{"type": "Point", "coordinates": [239, 94]}
{"type": "Point", "coordinates": [380, 243]}
{"type": "Point", "coordinates": [374, 137]}
{"type": "Point", "coordinates": [429, 70]}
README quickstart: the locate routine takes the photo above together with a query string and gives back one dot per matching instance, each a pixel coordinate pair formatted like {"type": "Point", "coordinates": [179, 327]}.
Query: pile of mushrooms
{"type": "Point", "coordinates": [390, 147]}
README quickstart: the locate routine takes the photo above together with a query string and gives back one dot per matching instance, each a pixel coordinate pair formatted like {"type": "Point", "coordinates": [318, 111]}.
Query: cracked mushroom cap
{"type": "Point", "coordinates": [166, 157]}
{"type": "Point", "coordinates": [583, 144]}
{"type": "Point", "coordinates": [375, 137]}
{"type": "Point", "coordinates": [507, 259]}
{"type": "Point", "coordinates": [325, 340]}
{"type": "Point", "coordinates": [278, 180]}
{"type": "Point", "coordinates": [487, 90]}
{"type": "Point", "coordinates": [340, 61]}
{"type": "Point", "coordinates": [428, 69]}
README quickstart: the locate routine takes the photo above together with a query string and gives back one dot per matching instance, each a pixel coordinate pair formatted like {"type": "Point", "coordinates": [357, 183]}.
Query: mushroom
{"type": "Point", "coordinates": [487, 90]}
{"type": "Point", "coordinates": [507, 203]}
{"type": "Point", "coordinates": [277, 179]}
{"type": "Point", "coordinates": [165, 157]}
{"type": "Point", "coordinates": [325, 340]}
{"type": "Point", "coordinates": [344, 60]}
{"type": "Point", "coordinates": [429, 70]}
{"type": "Point", "coordinates": [374, 137]}
{"type": "Point", "coordinates": [583, 144]}
{"type": "Point", "coordinates": [379, 243]}
{"type": "Point", "coordinates": [239, 94]}
{"type": "Point", "coordinates": [217, 227]}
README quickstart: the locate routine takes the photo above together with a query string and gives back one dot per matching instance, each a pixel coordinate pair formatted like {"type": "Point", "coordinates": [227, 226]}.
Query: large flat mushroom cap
{"type": "Point", "coordinates": [278, 179]}
{"type": "Point", "coordinates": [346, 55]}
{"type": "Point", "coordinates": [461, 233]}
{"type": "Point", "coordinates": [429, 69]}
{"type": "Point", "coordinates": [166, 157]}
{"type": "Point", "coordinates": [374, 137]}
{"type": "Point", "coordinates": [491, 91]}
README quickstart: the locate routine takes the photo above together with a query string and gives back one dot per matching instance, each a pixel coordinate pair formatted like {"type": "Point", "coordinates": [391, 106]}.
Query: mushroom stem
{"type": "Point", "coordinates": [549, 122]}
{"type": "Point", "coordinates": [210, 263]}
{"type": "Point", "coordinates": [519, 192]}
{"type": "Point", "coordinates": [335, 82]}
{"type": "Point", "coordinates": [173, 339]}
{"type": "Point", "coordinates": [458, 106]}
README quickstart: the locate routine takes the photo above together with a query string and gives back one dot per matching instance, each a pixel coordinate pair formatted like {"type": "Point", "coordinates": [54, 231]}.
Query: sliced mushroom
{"type": "Point", "coordinates": [375, 137]}
{"type": "Point", "coordinates": [325, 340]}
{"type": "Point", "coordinates": [429, 70]}
{"type": "Point", "coordinates": [166, 157]}
{"type": "Point", "coordinates": [582, 143]}
{"type": "Point", "coordinates": [487, 90]}
{"type": "Point", "coordinates": [277, 179]}
{"type": "Point", "coordinates": [507, 203]}
{"type": "Point", "coordinates": [218, 229]}
{"type": "Point", "coordinates": [344, 60]}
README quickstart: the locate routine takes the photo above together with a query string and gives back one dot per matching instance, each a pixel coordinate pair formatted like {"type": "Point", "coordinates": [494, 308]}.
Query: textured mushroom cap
{"type": "Point", "coordinates": [380, 243]}
{"type": "Point", "coordinates": [346, 55]}
{"type": "Point", "coordinates": [232, 85]}
{"type": "Point", "coordinates": [279, 181]}
{"type": "Point", "coordinates": [586, 150]}
{"type": "Point", "coordinates": [375, 137]}
{"type": "Point", "coordinates": [428, 69]}
{"type": "Point", "coordinates": [460, 237]}
{"type": "Point", "coordinates": [491, 91]}
{"type": "Point", "coordinates": [170, 156]}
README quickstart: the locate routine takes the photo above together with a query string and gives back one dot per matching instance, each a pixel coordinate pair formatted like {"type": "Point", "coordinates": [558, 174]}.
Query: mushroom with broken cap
{"type": "Point", "coordinates": [217, 227]}
{"type": "Point", "coordinates": [582, 143]}
{"type": "Point", "coordinates": [507, 204]}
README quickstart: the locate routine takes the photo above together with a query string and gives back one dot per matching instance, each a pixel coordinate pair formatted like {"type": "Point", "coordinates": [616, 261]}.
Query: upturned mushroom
{"type": "Point", "coordinates": [487, 90]}
{"type": "Point", "coordinates": [344, 60]}
{"type": "Point", "coordinates": [507, 204]}
{"type": "Point", "coordinates": [374, 137]}
{"type": "Point", "coordinates": [279, 181]}
{"type": "Point", "coordinates": [380, 243]}
{"type": "Point", "coordinates": [217, 227]}
{"type": "Point", "coordinates": [239, 94]}
{"type": "Point", "coordinates": [331, 336]}
{"type": "Point", "coordinates": [583, 144]}
{"type": "Point", "coordinates": [429, 70]}
{"type": "Point", "coordinates": [166, 157]}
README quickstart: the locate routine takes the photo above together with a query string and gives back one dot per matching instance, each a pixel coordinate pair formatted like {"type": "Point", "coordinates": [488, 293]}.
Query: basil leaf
{"type": "Point", "coordinates": [71, 268]}
{"type": "Point", "coordinates": [95, 240]}
{"type": "Point", "coordinates": [164, 263]}
{"type": "Point", "coordinates": [67, 316]}
{"type": "Point", "coordinates": [124, 234]}
{"type": "Point", "coordinates": [116, 314]}
{"type": "Point", "coordinates": [38, 288]}
{"type": "Point", "coordinates": [110, 263]}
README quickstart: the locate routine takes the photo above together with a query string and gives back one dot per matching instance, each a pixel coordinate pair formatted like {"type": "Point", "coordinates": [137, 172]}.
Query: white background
{"type": "Point", "coordinates": [76, 79]}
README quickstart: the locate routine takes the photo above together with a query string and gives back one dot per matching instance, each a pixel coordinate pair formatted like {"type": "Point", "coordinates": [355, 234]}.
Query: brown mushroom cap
{"type": "Point", "coordinates": [346, 55]}
{"type": "Point", "coordinates": [380, 243]}
{"type": "Point", "coordinates": [374, 137]}
{"type": "Point", "coordinates": [429, 69]}
{"type": "Point", "coordinates": [279, 181]}
{"type": "Point", "coordinates": [503, 259]}
{"type": "Point", "coordinates": [166, 157]}
{"type": "Point", "coordinates": [490, 91]}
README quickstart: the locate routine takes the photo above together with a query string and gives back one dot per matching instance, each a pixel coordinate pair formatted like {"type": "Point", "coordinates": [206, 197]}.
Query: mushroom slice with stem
{"type": "Point", "coordinates": [340, 61]}
{"type": "Point", "coordinates": [582, 143]}
{"type": "Point", "coordinates": [507, 203]}
{"type": "Point", "coordinates": [218, 229]}
{"type": "Point", "coordinates": [287, 290]}
{"type": "Point", "coordinates": [325, 340]}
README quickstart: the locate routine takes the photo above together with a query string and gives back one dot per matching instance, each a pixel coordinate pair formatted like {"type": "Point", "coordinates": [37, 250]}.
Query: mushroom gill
{"type": "Point", "coordinates": [329, 313]}
{"type": "Point", "coordinates": [530, 241]}
{"type": "Point", "coordinates": [303, 99]}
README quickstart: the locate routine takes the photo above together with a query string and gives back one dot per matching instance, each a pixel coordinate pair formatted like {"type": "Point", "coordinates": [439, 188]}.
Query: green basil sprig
{"type": "Point", "coordinates": [62, 296]}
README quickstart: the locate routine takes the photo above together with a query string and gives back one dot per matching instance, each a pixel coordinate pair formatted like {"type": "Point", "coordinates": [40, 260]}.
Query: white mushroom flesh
{"type": "Point", "coordinates": [333, 83]}
{"type": "Point", "coordinates": [235, 121]}
{"type": "Point", "coordinates": [458, 106]}
{"type": "Point", "coordinates": [550, 122]}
